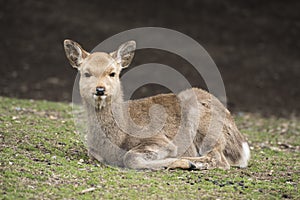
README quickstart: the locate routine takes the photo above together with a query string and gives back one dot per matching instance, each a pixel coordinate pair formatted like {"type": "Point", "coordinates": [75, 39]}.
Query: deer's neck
{"type": "Point", "coordinates": [106, 120]}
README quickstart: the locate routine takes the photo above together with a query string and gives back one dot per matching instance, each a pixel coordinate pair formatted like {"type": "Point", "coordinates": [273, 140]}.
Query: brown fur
{"type": "Point", "coordinates": [195, 131]}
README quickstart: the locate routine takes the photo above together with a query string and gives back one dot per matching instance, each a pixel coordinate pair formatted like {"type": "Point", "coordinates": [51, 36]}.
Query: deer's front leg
{"type": "Point", "coordinates": [149, 160]}
{"type": "Point", "coordinates": [158, 153]}
{"type": "Point", "coordinates": [155, 156]}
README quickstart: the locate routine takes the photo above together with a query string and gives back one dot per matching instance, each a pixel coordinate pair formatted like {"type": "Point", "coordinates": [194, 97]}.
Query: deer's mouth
{"type": "Point", "coordinates": [100, 101]}
{"type": "Point", "coordinates": [99, 98]}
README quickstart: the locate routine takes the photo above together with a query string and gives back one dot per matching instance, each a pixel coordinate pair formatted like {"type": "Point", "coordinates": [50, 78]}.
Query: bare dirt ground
{"type": "Point", "coordinates": [255, 45]}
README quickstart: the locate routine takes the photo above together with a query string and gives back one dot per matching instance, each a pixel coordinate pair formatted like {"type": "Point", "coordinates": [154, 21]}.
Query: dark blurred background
{"type": "Point", "coordinates": [255, 45]}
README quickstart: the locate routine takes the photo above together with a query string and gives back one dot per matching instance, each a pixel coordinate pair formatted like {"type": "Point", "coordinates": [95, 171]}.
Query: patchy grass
{"type": "Point", "coordinates": [42, 157]}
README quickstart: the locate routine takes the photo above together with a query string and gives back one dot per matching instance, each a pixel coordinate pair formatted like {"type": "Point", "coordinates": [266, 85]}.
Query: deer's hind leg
{"type": "Point", "coordinates": [213, 159]}
{"type": "Point", "coordinates": [155, 156]}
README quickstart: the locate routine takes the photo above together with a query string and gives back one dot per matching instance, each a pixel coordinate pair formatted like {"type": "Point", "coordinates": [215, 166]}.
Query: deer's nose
{"type": "Point", "coordinates": [100, 91]}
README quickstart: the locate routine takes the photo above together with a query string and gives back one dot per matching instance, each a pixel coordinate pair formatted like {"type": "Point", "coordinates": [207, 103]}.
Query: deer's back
{"type": "Point", "coordinates": [175, 108]}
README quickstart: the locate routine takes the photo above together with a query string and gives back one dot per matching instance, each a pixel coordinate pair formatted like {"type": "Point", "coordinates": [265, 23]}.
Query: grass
{"type": "Point", "coordinates": [42, 157]}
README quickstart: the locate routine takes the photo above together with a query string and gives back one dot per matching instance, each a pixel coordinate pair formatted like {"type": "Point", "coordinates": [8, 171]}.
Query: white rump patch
{"type": "Point", "coordinates": [245, 155]}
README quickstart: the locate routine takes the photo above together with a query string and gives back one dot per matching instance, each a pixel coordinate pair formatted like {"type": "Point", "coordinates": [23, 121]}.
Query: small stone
{"type": "Point", "coordinates": [270, 173]}
{"type": "Point", "coordinates": [241, 183]}
{"type": "Point", "coordinates": [80, 161]}
{"type": "Point", "coordinates": [230, 183]}
{"type": "Point", "coordinates": [286, 196]}
{"type": "Point", "coordinates": [52, 117]}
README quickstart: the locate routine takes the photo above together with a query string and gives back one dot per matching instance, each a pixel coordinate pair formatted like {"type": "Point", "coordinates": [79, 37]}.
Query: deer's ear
{"type": "Point", "coordinates": [75, 53]}
{"type": "Point", "coordinates": [125, 53]}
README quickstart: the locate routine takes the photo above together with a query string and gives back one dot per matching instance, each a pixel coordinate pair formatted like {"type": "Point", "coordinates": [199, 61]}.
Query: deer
{"type": "Point", "coordinates": [189, 130]}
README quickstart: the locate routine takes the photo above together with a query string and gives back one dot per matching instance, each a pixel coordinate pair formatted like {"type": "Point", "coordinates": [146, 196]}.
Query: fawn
{"type": "Point", "coordinates": [118, 130]}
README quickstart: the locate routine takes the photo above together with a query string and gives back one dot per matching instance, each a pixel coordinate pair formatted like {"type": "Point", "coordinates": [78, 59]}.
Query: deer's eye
{"type": "Point", "coordinates": [86, 74]}
{"type": "Point", "coordinates": [112, 74]}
